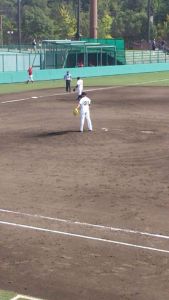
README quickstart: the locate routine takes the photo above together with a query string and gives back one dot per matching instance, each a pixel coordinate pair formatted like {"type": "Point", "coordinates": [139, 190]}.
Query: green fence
{"type": "Point", "coordinates": [55, 54]}
{"type": "Point", "coordinates": [119, 45]}
{"type": "Point", "coordinates": [87, 52]}
{"type": "Point", "coordinates": [146, 56]}
{"type": "Point", "coordinates": [10, 61]}
{"type": "Point", "coordinates": [12, 77]}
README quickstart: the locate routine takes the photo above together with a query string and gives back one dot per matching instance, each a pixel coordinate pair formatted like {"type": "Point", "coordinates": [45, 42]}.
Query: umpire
{"type": "Point", "coordinates": [68, 79]}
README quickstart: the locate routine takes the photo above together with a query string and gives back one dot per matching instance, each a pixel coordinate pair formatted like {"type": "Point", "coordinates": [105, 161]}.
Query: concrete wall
{"type": "Point", "coordinates": [21, 76]}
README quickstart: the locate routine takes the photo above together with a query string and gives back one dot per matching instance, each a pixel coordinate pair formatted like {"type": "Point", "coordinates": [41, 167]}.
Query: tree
{"type": "Point", "coordinates": [36, 24]}
{"type": "Point", "coordinates": [129, 25]}
{"type": "Point", "coordinates": [56, 19]}
{"type": "Point", "coordinates": [163, 29]}
{"type": "Point", "coordinates": [136, 5]}
{"type": "Point", "coordinates": [67, 23]}
{"type": "Point", "coordinates": [105, 26]}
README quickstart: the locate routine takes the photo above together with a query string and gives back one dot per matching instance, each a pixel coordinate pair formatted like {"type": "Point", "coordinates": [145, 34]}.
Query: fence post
{"type": "Point", "coordinates": [142, 57]}
{"type": "Point", "coordinates": [133, 58]}
{"type": "Point", "coordinates": [3, 64]}
{"type": "Point", "coordinates": [29, 59]}
{"type": "Point", "coordinates": [16, 62]}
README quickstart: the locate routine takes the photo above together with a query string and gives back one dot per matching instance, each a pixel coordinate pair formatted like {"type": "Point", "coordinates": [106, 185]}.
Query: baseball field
{"type": "Point", "coordinates": [84, 216]}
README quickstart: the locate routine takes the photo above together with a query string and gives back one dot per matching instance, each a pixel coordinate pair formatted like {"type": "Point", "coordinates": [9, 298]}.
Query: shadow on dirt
{"type": "Point", "coordinates": [54, 133]}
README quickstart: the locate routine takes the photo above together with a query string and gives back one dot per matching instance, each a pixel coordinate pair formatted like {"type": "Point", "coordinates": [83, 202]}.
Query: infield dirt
{"type": "Point", "coordinates": [117, 178]}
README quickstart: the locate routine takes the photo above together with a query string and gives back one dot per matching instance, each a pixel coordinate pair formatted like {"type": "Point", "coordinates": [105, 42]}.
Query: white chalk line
{"type": "Point", "coordinates": [24, 297]}
{"type": "Point", "coordinates": [15, 298]}
{"type": "Point", "coordinates": [43, 96]}
{"type": "Point", "coordinates": [15, 100]}
{"type": "Point", "coordinates": [83, 236]}
{"type": "Point", "coordinates": [87, 90]}
{"type": "Point", "coordinates": [57, 94]}
{"type": "Point", "coordinates": [33, 98]}
{"type": "Point", "coordinates": [155, 235]}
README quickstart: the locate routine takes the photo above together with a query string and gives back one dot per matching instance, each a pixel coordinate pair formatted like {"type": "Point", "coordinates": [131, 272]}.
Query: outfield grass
{"type": "Point", "coordinates": [150, 79]}
{"type": "Point", "coordinates": [6, 295]}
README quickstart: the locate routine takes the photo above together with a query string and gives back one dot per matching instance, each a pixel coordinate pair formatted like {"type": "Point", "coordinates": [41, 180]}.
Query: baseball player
{"type": "Point", "coordinates": [68, 79]}
{"type": "Point", "coordinates": [30, 74]}
{"type": "Point", "coordinates": [79, 87]}
{"type": "Point", "coordinates": [84, 104]}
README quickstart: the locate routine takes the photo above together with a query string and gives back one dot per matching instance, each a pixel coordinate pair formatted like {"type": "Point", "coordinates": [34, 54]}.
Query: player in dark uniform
{"type": "Point", "coordinates": [68, 79]}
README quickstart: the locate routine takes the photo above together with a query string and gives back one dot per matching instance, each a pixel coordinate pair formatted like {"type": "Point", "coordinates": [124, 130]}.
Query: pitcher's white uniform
{"type": "Point", "coordinates": [79, 87]}
{"type": "Point", "coordinates": [84, 104]}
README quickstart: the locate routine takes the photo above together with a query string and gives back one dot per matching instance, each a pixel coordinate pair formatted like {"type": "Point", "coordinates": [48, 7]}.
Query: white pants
{"type": "Point", "coordinates": [30, 78]}
{"type": "Point", "coordinates": [80, 90]}
{"type": "Point", "coordinates": [86, 116]}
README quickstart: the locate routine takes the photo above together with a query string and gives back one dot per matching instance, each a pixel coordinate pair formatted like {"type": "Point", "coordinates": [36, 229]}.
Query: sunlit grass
{"type": "Point", "coordinates": [4, 295]}
{"type": "Point", "coordinates": [7, 295]}
{"type": "Point", "coordinates": [150, 79]}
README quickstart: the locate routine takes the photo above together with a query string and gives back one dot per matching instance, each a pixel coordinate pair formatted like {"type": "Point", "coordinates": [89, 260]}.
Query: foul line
{"type": "Point", "coordinates": [84, 237]}
{"type": "Point", "coordinates": [87, 90]}
{"type": "Point", "coordinates": [57, 94]}
{"type": "Point", "coordinates": [24, 297]}
{"type": "Point", "coordinates": [32, 98]}
{"type": "Point", "coordinates": [155, 235]}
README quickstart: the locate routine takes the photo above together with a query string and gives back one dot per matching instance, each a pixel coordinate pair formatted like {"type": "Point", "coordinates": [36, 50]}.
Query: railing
{"type": "Point", "coordinates": [146, 56]}
{"type": "Point", "coordinates": [28, 48]}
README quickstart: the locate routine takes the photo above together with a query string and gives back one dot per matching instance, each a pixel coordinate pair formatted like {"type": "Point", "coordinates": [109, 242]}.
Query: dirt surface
{"type": "Point", "coordinates": [81, 214]}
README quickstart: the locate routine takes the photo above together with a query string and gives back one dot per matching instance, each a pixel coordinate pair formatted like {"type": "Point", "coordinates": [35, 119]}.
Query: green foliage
{"type": "Point", "coordinates": [163, 29]}
{"type": "Point", "coordinates": [53, 19]}
{"type": "Point", "coordinates": [136, 5]}
{"type": "Point", "coordinates": [84, 24]}
{"type": "Point", "coordinates": [105, 26]}
{"type": "Point", "coordinates": [67, 23]}
{"type": "Point", "coordinates": [37, 24]}
{"type": "Point", "coordinates": [130, 25]}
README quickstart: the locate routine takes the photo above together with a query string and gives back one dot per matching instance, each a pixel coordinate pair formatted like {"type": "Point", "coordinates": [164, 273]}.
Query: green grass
{"type": "Point", "coordinates": [157, 78]}
{"type": "Point", "coordinates": [148, 79]}
{"type": "Point", "coordinates": [23, 87]}
{"type": "Point", "coordinates": [4, 295]}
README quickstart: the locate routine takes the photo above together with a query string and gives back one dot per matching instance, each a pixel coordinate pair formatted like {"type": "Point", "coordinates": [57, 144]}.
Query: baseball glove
{"type": "Point", "coordinates": [75, 111]}
{"type": "Point", "coordinates": [74, 90]}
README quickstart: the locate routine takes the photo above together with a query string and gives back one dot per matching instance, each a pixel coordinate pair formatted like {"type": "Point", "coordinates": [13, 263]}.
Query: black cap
{"type": "Point", "coordinates": [83, 94]}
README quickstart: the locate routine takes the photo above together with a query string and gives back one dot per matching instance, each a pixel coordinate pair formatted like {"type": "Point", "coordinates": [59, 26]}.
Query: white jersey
{"type": "Point", "coordinates": [80, 86]}
{"type": "Point", "coordinates": [84, 104]}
